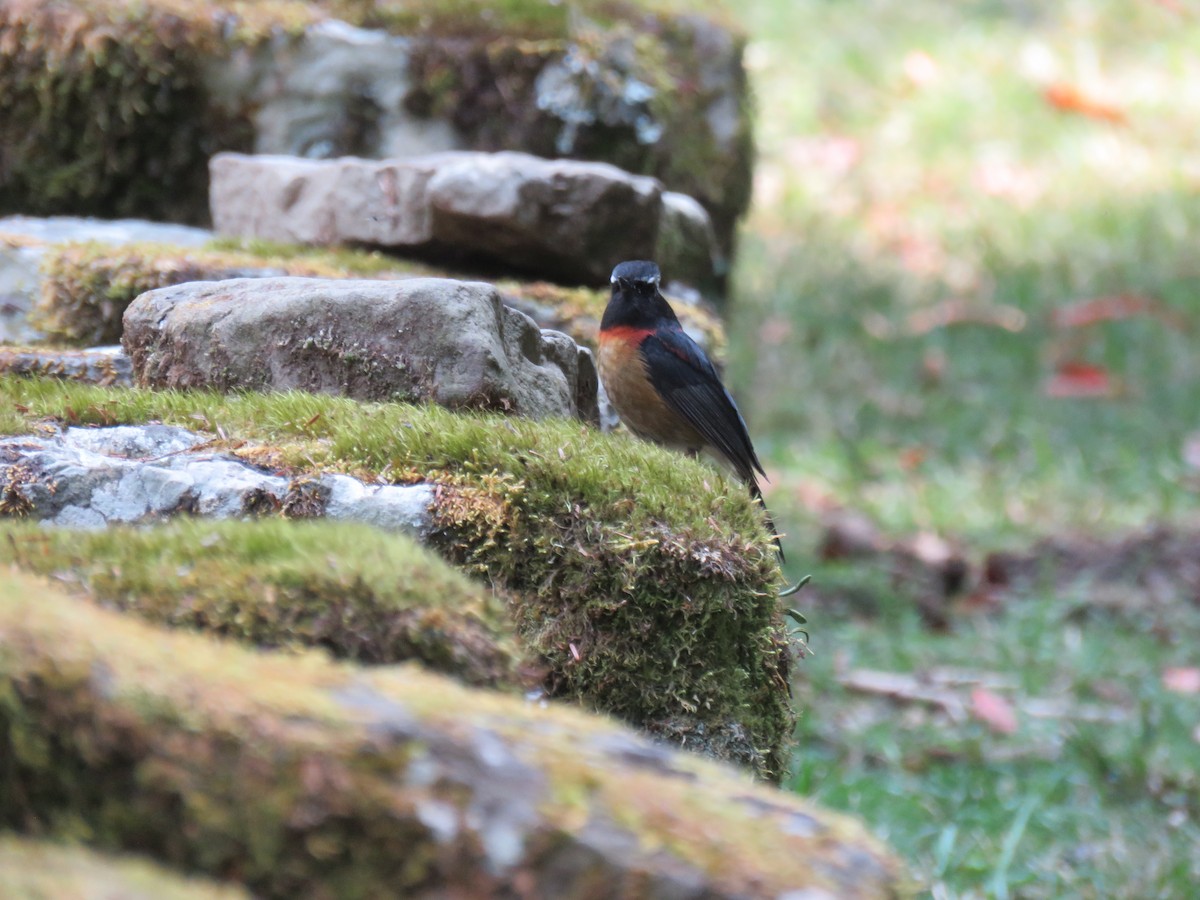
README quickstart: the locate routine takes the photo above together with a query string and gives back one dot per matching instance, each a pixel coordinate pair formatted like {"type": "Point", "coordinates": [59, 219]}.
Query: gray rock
{"type": "Point", "coordinates": [337, 90]}
{"type": "Point", "coordinates": [386, 506]}
{"type": "Point", "coordinates": [421, 339]}
{"type": "Point", "coordinates": [20, 282]}
{"type": "Point", "coordinates": [97, 365]}
{"type": "Point", "coordinates": [134, 441]}
{"type": "Point", "coordinates": [559, 219]}
{"type": "Point", "coordinates": [92, 477]}
{"type": "Point", "coordinates": [687, 245]}
{"type": "Point", "coordinates": [334, 90]}
{"type": "Point", "coordinates": [22, 244]}
{"type": "Point", "coordinates": [655, 93]}
{"type": "Point", "coordinates": [303, 201]}
{"type": "Point", "coordinates": [609, 420]}
{"type": "Point", "coordinates": [577, 90]}
{"type": "Point", "coordinates": [60, 229]}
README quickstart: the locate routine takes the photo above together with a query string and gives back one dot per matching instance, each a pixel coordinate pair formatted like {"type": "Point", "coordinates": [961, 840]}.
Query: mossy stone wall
{"type": "Point", "coordinates": [105, 107]}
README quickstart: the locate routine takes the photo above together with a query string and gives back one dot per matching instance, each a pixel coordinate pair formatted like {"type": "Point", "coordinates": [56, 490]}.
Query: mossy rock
{"type": "Point", "coordinates": [671, 58]}
{"type": "Point", "coordinates": [87, 286]}
{"type": "Point", "coordinates": [40, 870]}
{"type": "Point", "coordinates": [103, 109]}
{"type": "Point", "coordinates": [108, 107]}
{"type": "Point", "coordinates": [644, 582]}
{"type": "Point", "coordinates": [350, 589]}
{"type": "Point", "coordinates": [305, 778]}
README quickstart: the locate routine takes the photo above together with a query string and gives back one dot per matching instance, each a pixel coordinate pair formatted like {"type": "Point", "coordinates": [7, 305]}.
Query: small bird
{"type": "Point", "coordinates": [662, 384]}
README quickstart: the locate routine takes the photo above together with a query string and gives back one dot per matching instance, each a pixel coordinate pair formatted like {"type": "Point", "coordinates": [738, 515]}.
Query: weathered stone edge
{"type": "Point", "coordinates": [308, 777]}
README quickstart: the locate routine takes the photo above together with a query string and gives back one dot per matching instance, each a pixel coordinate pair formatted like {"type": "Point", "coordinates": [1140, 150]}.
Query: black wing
{"type": "Point", "coordinates": [690, 385]}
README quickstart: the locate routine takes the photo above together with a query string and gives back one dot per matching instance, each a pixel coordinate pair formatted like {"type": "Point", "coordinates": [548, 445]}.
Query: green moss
{"type": "Point", "coordinates": [317, 261]}
{"type": "Point", "coordinates": [302, 777]}
{"type": "Point", "coordinates": [644, 580]}
{"type": "Point", "coordinates": [87, 286]}
{"type": "Point", "coordinates": [94, 97]}
{"type": "Point", "coordinates": [39, 870]}
{"type": "Point", "coordinates": [354, 590]}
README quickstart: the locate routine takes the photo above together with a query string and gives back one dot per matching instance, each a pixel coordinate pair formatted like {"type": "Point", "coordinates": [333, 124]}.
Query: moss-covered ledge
{"type": "Point", "coordinates": [87, 286]}
{"type": "Point", "coordinates": [301, 777]}
{"type": "Point", "coordinates": [356, 591]}
{"type": "Point", "coordinates": [644, 582]}
{"type": "Point", "coordinates": [41, 870]}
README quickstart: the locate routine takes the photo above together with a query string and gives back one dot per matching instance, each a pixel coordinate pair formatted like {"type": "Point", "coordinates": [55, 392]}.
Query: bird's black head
{"type": "Point", "coordinates": [637, 272]}
{"type": "Point", "coordinates": [635, 296]}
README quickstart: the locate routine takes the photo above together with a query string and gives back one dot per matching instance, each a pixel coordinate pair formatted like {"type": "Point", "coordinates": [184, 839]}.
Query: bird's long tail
{"type": "Point", "coordinates": [756, 493]}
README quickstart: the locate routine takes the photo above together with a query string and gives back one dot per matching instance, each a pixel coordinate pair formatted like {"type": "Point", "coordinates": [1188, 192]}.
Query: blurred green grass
{"type": "Point", "coordinates": [1113, 805]}
{"type": "Point", "coordinates": [910, 160]}
{"type": "Point", "coordinates": [913, 166]}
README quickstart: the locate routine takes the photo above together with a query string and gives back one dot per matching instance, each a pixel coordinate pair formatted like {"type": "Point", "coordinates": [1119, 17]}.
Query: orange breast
{"type": "Point", "coordinates": [632, 394]}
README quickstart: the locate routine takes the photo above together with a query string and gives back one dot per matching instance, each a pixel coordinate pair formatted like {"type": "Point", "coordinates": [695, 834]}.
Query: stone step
{"type": "Point", "coordinates": [562, 220]}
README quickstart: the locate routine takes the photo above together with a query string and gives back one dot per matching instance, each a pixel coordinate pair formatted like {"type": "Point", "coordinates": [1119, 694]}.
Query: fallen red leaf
{"type": "Point", "coordinates": [1069, 98]}
{"type": "Point", "coordinates": [1079, 379]}
{"type": "Point", "coordinates": [911, 457]}
{"type": "Point", "coordinates": [993, 711]}
{"type": "Point", "coordinates": [1182, 679]}
{"type": "Point", "coordinates": [1111, 309]}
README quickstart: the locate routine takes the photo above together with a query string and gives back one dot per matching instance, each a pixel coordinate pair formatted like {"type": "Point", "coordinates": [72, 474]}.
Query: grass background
{"type": "Point", "coordinates": [938, 185]}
